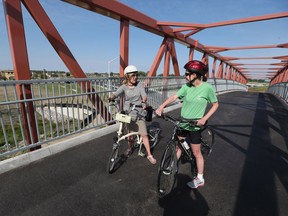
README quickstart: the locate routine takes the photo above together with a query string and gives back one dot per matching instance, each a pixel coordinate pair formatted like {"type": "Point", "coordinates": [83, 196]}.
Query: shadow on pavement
{"type": "Point", "coordinates": [183, 201]}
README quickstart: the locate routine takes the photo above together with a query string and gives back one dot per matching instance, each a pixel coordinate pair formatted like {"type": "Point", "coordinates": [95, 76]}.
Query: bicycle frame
{"type": "Point", "coordinates": [179, 143]}
{"type": "Point", "coordinates": [121, 137]}
{"type": "Point", "coordinates": [116, 156]}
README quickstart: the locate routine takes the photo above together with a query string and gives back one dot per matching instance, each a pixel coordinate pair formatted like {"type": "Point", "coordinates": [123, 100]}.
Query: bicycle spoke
{"type": "Point", "coordinates": [117, 157]}
{"type": "Point", "coordinates": [112, 160]}
{"type": "Point", "coordinates": [207, 141]}
{"type": "Point", "coordinates": [194, 169]}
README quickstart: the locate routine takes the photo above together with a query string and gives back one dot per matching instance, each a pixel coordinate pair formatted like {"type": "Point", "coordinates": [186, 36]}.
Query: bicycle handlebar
{"type": "Point", "coordinates": [176, 121]}
{"type": "Point", "coordinates": [113, 102]}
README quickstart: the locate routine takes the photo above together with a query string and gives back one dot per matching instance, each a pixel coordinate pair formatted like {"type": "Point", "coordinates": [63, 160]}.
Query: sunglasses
{"type": "Point", "coordinates": [187, 74]}
{"type": "Point", "coordinates": [133, 75]}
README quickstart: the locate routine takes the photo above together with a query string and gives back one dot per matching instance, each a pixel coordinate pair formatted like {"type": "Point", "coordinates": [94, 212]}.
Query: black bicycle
{"type": "Point", "coordinates": [168, 168]}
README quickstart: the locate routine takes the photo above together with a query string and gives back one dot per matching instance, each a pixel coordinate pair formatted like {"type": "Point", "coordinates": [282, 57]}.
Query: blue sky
{"type": "Point", "coordinates": [94, 39]}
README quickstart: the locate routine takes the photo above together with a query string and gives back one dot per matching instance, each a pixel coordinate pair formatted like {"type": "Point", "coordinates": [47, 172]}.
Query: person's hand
{"type": "Point", "coordinates": [109, 99]}
{"type": "Point", "coordinates": [201, 122]}
{"type": "Point", "coordinates": [159, 111]}
{"type": "Point", "coordinates": [144, 105]}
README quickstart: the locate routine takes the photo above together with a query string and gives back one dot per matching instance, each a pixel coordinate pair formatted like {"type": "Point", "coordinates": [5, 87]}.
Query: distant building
{"type": "Point", "coordinates": [35, 74]}
{"type": "Point", "coordinates": [8, 74]}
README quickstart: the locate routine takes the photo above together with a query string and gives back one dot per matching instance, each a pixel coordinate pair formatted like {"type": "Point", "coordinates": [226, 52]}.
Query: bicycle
{"type": "Point", "coordinates": [117, 156]}
{"type": "Point", "coordinates": [168, 167]}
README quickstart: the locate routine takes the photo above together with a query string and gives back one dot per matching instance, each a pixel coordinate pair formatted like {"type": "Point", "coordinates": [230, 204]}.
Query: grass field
{"type": "Point", "coordinates": [258, 89]}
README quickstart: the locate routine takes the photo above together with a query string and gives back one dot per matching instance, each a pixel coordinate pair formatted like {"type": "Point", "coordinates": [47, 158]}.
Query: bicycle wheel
{"type": "Point", "coordinates": [167, 171]}
{"type": "Point", "coordinates": [116, 158]}
{"type": "Point", "coordinates": [153, 135]}
{"type": "Point", "coordinates": [194, 169]}
{"type": "Point", "coordinates": [207, 141]}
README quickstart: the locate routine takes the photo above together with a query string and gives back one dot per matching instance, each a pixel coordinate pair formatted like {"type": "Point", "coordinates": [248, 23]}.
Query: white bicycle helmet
{"type": "Point", "coordinates": [130, 69]}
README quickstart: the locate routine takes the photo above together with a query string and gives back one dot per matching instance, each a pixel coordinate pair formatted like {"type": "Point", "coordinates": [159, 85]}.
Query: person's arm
{"type": "Point", "coordinates": [144, 99]}
{"type": "Point", "coordinates": [160, 109]}
{"type": "Point", "coordinates": [142, 93]}
{"type": "Point", "coordinates": [211, 111]}
{"type": "Point", "coordinates": [114, 95]}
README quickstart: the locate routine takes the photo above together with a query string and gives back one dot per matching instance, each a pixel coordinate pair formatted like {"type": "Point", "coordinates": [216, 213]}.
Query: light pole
{"type": "Point", "coordinates": [109, 81]}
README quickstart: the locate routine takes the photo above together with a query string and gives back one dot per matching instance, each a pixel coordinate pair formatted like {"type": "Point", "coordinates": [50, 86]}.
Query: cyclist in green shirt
{"type": "Point", "coordinates": [196, 94]}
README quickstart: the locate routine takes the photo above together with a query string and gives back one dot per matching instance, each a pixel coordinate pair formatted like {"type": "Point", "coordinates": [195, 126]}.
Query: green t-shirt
{"type": "Point", "coordinates": [195, 100]}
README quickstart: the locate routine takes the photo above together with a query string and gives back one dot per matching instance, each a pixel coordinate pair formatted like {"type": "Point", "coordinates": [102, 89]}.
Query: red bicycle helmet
{"type": "Point", "coordinates": [195, 66]}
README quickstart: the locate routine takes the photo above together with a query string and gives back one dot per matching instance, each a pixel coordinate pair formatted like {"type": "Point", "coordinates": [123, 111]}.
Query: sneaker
{"type": "Point", "coordinates": [195, 183]}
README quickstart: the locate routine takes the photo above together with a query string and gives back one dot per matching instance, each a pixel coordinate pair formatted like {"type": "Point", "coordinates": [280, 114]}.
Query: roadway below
{"type": "Point", "coordinates": [246, 174]}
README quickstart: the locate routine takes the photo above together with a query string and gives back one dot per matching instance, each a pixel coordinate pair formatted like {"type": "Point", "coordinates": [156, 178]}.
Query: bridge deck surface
{"type": "Point", "coordinates": [245, 175]}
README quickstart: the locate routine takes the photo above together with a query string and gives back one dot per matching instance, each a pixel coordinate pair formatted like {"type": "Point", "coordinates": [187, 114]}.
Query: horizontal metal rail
{"type": "Point", "coordinates": [62, 108]}
{"type": "Point", "coordinates": [280, 89]}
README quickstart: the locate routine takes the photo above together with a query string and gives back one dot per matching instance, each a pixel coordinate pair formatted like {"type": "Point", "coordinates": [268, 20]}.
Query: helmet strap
{"type": "Point", "coordinates": [192, 81]}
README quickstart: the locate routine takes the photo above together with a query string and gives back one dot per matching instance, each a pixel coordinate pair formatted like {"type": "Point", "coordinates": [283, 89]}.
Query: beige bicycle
{"type": "Point", "coordinates": [117, 157]}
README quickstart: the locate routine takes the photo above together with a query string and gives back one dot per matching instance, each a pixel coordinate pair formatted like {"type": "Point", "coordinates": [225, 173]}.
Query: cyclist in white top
{"type": "Point", "coordinates": [134, 93]}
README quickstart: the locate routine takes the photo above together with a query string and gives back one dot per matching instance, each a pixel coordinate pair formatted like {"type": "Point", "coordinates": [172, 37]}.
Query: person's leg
{"type": "Point", "coordinates": [130, 144]}
{"type": "Point", "coordinates": [199, 180]}
{"type": "Point", "coordinates": [195, 140]}
{"type": "Point", "coordinates": [196, 149]}
{"type": "Point", "coordinates": [147, 147]}
{"type": "Point", "coordinates": [178, 150]}
{"type": "Point", "coordinates": [143, 132]}
{"type": "Point", "coordinates": [131, 128]}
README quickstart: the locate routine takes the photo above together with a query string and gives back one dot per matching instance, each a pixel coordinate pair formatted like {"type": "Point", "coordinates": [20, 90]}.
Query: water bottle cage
{"type": "Point", "coordinates": [185, 148]}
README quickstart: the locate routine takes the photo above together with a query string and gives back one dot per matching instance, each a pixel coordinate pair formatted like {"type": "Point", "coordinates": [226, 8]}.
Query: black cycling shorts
{"type": "Point", "coordinates": [192, 137]}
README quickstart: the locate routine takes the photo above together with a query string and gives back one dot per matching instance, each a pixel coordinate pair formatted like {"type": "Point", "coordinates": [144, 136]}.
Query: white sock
{"type": "Point", "coordinates": [200, 176]}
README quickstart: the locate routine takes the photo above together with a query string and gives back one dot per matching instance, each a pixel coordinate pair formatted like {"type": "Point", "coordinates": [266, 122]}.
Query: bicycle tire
{"type": "Point", "coordinates": [207, 141]}
{"type": "Point", "coordinates": [167, 171]}
{"type": "Point", "coordinates": [112, 159]}
{"type": "Point", "coordinates": [194, 169]}
{"type": "Point", "coordinates": [117, 157]}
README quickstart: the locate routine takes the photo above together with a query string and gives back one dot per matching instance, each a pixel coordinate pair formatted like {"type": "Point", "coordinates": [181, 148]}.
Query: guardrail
{"type": "Point", "coordinates": [280, 89]}
{"type": "Point", "coordinates": [62, 107]}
